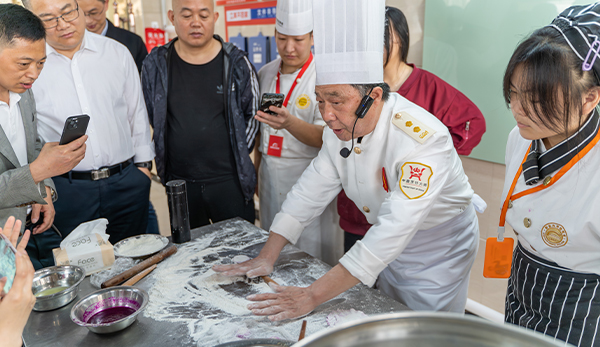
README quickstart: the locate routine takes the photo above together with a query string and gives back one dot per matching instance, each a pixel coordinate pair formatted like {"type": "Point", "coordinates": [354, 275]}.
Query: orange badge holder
{"type": "Point", "coordinates": [498, 257]}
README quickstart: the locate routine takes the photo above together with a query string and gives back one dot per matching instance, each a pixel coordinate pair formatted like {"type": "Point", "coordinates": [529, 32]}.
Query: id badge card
{"type": "Point", "coordinates": [275, 145]}
{"type": "Point", "coordinates": [498, 257]}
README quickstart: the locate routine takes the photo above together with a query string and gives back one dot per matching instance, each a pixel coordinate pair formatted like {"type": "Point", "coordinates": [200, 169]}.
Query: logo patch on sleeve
{"type": "Point", "coordinates": [414, 181]}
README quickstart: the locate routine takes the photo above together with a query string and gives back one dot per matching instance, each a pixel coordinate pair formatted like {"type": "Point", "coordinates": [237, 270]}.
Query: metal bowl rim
{"type": "Point", "coordinates": [145, 296]}
{"type": "Point", "coordinates": [119, 244]}
{"type": "Point", "coordinates": [407, 315]}
{"type": "Point", "coordinates": [50, 270]}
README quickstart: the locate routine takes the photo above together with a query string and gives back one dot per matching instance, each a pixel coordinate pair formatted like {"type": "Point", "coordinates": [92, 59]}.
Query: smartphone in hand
{"type": "Point", "coordinates": [8, 267]}
{"type": "Point", "coordinates": [75, 127]}
{"type": "Point", "coordinates": [271, 99]}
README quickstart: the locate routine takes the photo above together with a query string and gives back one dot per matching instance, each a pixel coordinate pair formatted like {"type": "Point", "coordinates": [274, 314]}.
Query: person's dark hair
{"type": "Point", "coordinates": [395, 22]}
{"type": "Point", "coordinates": [364, 89]}
{"type": "Point", "coordinates": [17, 22]}
{"type": "Point", "coordinates": [549, 69]}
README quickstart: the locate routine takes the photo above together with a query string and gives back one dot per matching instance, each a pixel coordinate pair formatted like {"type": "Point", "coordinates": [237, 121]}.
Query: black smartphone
{"type": "Point", "coordinates": [75, 127]}
{"type": "Point", "coordinates": [271, 99]}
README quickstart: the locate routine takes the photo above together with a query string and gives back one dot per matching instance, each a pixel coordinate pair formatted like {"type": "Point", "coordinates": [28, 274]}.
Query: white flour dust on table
{"type": "Point", "coordinates": [213, 307]}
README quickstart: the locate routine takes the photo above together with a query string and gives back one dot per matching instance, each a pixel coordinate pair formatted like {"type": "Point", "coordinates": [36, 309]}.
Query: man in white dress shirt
{"type": "Point", "coordinates": [392, 158]}
{"type": "Point", "coordinates": [90, 74]}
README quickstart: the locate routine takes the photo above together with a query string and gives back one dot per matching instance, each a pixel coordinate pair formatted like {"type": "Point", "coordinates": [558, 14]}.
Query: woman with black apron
{"type": "Point", "coordinates": [552, 186]}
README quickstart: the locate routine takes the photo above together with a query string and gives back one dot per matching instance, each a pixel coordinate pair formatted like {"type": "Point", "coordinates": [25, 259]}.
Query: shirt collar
{"type": "Point", "coordinates": [105, 28]}
{"type": "Point", "coordinates": [540, 164]}
{"type": "Point", "coordinates": [13, 99]}
{"type": "Point", "coordinates": [86, 44]}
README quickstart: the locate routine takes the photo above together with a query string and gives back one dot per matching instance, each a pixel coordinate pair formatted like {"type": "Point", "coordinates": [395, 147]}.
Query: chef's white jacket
{"type": "Point", "coordinates": [417, 142]}
{"type": "Point", "coordinates": [560, 223]}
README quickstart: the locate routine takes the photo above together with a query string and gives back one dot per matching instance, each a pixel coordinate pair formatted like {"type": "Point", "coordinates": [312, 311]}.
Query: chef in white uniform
{"type": "Point", "coordinates": [397, 163]}
{"type": "Point", "coordinates": [551, 195]}
{"type": "Point", "coordinates": [292, 138]}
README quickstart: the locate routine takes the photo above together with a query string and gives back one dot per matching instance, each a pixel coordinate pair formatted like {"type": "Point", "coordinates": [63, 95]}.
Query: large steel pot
{"type": "Point", "coordinates": [414, 329]}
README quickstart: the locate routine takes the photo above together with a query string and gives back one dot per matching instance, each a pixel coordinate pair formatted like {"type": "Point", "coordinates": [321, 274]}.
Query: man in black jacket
{"type": "Point", "coordinates": [96, 22]}
{"type": "Point", "coordinates": [202, 94]}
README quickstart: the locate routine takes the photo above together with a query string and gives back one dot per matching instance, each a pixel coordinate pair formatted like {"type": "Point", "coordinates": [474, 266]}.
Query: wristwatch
{"type": "Point", "coordinates": [145, 164]}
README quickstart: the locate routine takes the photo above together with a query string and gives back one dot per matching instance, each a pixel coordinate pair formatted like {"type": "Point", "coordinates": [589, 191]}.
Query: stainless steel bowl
{"type": "Point", "coordinates": [65, 275]}
{"type": "Point", "coordinates": [412, 329]}
{"type": "Point", "coordinates": [123, 296]}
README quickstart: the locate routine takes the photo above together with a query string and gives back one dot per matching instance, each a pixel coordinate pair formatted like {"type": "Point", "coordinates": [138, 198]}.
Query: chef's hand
{"type": "Point", "coordinates": [47, 210]}
{"type": "Point", "coordinates": [259, 266]}
{"type": "Point", "coordinates": [285, 303]}
{"type": "Point", "coordinates": [283, 120]}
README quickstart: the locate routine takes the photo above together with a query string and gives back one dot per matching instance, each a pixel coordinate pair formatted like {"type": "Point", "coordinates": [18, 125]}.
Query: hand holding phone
{"type": "Point", "coordinates": [75, 127]}
{"type": "Point", "coordinates": [271, 99]}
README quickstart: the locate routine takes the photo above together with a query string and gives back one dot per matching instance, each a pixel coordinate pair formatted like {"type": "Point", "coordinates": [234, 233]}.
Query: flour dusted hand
{"type": "Point", "coordinates": [285, 303]}
{"type": "Point", "coordinates": [258, 266]}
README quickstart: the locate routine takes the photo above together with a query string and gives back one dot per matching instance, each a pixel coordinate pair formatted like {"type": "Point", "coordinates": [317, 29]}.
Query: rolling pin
{"type": "Point", "coordinates": [135, 279]}
{"type": "Point", "coordinates": [157, 258]}
{"type": "Point", "coordinates": [268, 280]}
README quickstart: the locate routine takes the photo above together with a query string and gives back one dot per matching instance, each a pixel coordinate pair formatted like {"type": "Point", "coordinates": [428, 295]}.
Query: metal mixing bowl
{"type": "Point", "coordinates": [65, 275]}
{"type": "Point", "coordinates": [123, 296]}
{"type": "Point", "coordinates": [412, 329]}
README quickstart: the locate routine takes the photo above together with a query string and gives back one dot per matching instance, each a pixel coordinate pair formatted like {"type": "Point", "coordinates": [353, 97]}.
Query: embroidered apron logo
{"type": "Point", "coordinates": [303, 101]}
{"type": "Point", "coordinates": [414, 181]}
{"type": "Point", "coordinates": [554, 235]}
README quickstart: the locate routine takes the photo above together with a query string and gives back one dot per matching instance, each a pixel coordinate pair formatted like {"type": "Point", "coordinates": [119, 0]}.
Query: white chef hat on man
{"type": "Point", "coordinates": [348, 36]}
{"type": "Point", "coordinates": [294, 17]}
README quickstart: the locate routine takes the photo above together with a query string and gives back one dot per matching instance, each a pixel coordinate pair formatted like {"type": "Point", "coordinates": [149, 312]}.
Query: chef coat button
{"type": "Point", "coordinates": [527, 222]}
{"type": "Point", "coordinates": [357, 150]}
{"type": "Point", "coordinates": [366, 209]}
{"type": "Point", "coordinates": [510, 204]}
{"type": "Point", "coordinates": [397, 116]}
{"type": "Point", "coordinates": [547, 180]}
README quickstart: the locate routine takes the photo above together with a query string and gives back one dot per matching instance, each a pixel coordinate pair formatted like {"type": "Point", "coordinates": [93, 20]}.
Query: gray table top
{"type": "Point", "coordinates": [55, 328]}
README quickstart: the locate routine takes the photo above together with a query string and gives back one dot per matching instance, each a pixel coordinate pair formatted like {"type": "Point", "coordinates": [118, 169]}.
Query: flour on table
{"type": "Point", "coordinates": [213, 307]}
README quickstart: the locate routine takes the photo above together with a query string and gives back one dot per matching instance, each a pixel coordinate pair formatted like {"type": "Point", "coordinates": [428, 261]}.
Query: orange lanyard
{"type": "Point", "coordinates": [300, 74]}
{"type": "Point", "coordinates": [547, 183]}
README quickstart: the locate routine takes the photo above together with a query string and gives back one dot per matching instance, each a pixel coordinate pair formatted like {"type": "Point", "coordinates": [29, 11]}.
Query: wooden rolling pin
{"type": "Point", "coordinates": [268, 280]}
{"type": "Point", "coordinates": [135, 279]}
{"type": "Point", "coordinates": [155, 259]}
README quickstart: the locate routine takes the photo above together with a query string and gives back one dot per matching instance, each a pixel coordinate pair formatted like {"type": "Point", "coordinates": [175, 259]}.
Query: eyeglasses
{"type": "Point", "coordinates": [67, 17]}
{"type": "Point", "coordinates": [95, 14]}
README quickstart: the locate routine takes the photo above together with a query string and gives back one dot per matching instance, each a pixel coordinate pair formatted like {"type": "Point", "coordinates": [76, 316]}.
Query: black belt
{"type": "Point", "coordinates": [95, 175]}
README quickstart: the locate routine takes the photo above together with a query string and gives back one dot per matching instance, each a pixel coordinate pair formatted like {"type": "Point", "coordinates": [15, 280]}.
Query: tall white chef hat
{"type": "Point", "coordinates": [348, 36]}
{"type": "Point", "coordinates": [294, 17]}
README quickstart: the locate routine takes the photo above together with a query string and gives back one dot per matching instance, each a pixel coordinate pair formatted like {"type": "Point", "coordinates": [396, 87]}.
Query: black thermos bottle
{"type": "Point", "coordinates": [178, 211]}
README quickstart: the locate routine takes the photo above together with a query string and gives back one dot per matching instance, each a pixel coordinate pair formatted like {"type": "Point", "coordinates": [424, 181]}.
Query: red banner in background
{"type": "Point", "coordinates": [154, 37]}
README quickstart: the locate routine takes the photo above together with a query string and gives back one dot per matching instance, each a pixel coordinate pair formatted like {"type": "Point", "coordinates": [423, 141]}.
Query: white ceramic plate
{"type": "Point", "coordinates": [140, 245]}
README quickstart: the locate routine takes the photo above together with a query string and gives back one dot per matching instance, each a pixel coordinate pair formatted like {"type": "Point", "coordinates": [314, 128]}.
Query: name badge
{"type": "Point", "coordinates": [275, 145]}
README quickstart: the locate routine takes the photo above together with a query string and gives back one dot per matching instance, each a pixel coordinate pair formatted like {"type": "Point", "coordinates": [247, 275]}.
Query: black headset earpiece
{"type": "Point", "coordinates": [365, 105]}
{"type": "Point", "coordinates": [361, 112]}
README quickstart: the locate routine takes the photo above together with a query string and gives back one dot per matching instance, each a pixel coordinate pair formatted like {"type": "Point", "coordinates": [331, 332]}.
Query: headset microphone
{"type": "Point", "coordinates": [361, 112]}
